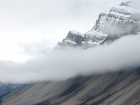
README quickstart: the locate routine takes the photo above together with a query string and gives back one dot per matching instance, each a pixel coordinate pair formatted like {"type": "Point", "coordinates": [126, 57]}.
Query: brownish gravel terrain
{"type": "Point", "coordinates": [112, 88]}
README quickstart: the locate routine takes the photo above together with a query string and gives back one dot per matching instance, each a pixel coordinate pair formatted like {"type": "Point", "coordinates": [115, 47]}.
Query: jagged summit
{"type": "Point", "coordinates": [123, 19]}
{"type": "Point", "coordinates": [73, 38]}
{"type": "Point", "coordinates": [118, 21]}
{"type": "Point", "coordinates": [76, 33]}
{"type": "Point", "coordinates": [127, 3]}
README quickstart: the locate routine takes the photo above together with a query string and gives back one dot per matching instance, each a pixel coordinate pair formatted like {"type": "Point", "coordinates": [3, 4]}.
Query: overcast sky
{"type": "Point", "coordinates": [30, 27]}
{"type": "Point", "coordinates": [36, 23]}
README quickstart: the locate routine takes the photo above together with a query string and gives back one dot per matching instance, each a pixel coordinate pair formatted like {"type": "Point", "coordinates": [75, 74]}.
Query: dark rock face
{"type": "Point", "coordinates": [73, 39]}
{"type": "Point", "coordinates": [126, 3]}
{"type": "Point", "coordinates": [6, 88]}
{"type": "Point", "coordinates": [138, 70]}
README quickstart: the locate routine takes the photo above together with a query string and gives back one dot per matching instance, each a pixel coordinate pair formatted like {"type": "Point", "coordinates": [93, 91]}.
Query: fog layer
{"type": "Point", "coordinates": [62, 64]}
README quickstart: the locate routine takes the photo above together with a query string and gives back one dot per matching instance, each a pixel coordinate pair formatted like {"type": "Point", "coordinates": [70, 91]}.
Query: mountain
{"type": "Point", "coordinates": [6, 88]}
{"type": "Point", "coordinates": [120, 87]}
{"type": "Point", "coordinates": [73, 38]}
{"type": "Point", "coordinates": [119, 21]}
{"type": "Point", "coordinates": [112, 88]}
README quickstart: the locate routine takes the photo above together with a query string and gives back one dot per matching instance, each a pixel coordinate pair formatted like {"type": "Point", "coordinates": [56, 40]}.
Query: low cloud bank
{"type": "Point", "coordinates": [63, 64]}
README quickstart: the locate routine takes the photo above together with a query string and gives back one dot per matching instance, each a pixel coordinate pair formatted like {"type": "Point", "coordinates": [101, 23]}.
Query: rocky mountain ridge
{"type": "Point", "coordinates": [118, 22]}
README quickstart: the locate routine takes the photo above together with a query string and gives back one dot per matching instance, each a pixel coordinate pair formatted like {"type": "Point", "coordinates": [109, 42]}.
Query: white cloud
{"type": "Point", "coordinates": [63, 64]}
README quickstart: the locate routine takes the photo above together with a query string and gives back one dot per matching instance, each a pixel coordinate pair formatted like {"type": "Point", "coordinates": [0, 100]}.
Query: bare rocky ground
{"type": "Point", "coordinates": [112, 88]}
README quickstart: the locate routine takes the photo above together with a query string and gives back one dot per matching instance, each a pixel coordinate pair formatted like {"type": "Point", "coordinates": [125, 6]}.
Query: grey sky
{"type": "Point", "coordinates": [31, 21]}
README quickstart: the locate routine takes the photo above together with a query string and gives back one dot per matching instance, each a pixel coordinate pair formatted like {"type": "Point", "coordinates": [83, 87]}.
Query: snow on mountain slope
{"type": "Point", "coordinates": [121, 20]}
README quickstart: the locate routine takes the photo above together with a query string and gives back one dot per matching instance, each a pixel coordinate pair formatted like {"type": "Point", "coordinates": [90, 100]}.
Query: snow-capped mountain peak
{"type": "Point", "coordinates": [123, 19]}
{"type": "Point", "coordinates": [118, 21]}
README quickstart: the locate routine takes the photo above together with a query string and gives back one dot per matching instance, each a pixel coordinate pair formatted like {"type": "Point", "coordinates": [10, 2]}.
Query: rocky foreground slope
{"type": "Point", "coordinates": [112, 88]}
